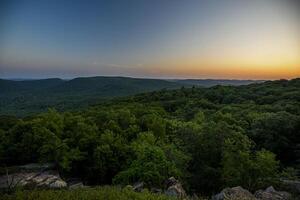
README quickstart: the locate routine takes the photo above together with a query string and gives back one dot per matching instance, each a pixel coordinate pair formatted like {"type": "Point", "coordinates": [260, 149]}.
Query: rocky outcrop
{"type": "Point", "coordinates": [36, 167]}
{"type": "Point", "coordinates": [156, 190]}
{"type": "Point", "coordinates": [138, 187]}
{"type": "Point", "coordinates": [239, 193]}
{"type": "Point", "coordinates": [174, 188]}
{"type": "Point", "coordinates": [46, 179]}
{"type": "Point", "coordinates": [271, 194]}
{"type": "Point", "coordinates": [235, 193]}
{"type": "Point", "coordinates": [291, 185]}
{"type": "Point", "coordinates": [76, 185]}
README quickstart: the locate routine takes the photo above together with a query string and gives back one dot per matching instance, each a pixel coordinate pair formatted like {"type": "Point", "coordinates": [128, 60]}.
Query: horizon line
{"type": "Point", "coordinates": [136, 77]}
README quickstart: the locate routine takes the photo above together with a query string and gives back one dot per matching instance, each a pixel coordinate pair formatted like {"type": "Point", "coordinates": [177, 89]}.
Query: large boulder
{"type": "Point", "coordinates": [46, 179]}
{"type": "Point", "coordinates": [174, 188]}
{"type": "Point", "coordinates": [235, 193]}
{"type": "Point", "coordinates": [271, 194]}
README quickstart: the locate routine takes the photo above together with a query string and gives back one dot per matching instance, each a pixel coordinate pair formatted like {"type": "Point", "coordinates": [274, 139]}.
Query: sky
{"type": "Point", "coordinates": [231, 39]}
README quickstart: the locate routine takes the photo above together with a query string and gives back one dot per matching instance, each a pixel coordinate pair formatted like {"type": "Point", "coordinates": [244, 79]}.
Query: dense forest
{"type": "Point", "coordinates": [26, 97]}
{"type": "Point", "coordinates": [209, 138]}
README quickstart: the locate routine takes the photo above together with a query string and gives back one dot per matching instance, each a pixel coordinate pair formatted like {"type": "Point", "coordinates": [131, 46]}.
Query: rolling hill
{"type": "Point", "coordinates": [33, 96]}
{"type": "Point", "coordinates": [25, 97]}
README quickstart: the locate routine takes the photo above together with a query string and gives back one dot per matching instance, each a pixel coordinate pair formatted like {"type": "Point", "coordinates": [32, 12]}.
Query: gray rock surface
{"type": "Point", "coordinates": [271, 194]}
{"type": "Point", "coordinates": [76, 185]}
{"type": "Point", "coordinates": [37, 166]}
{"type": "Point", "coordinates": [47, 179]}
{"type": "Point", "coordinates": [138, 187]}
{"type": "Point", "coordinates": [174, 188]}
{"type": "Point", "coordinates": [156, 190]}
{"type": "Point", "coordinates": [239, 193]}
{"type": "Point", "coordinates": [292, 185]}
{"type": "Point", "coordinates": [235, 193]}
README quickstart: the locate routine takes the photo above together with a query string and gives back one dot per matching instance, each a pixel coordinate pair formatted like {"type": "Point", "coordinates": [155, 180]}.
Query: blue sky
{"type": "Point", "coordinates": [150, 38]}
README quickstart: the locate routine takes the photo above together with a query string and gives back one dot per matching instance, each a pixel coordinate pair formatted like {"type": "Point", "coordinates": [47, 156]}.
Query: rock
{"type": "Point", "coordinates": [56, 184]}
{"type": "Point", "coordinates": [47, 179]}
{"type": "Point", "coordinates": [171, 181]}
{"type": "Point", "coordinates": [270, 189]}
{"type": "Point", "coordinates": [156, 190]}
{"type": "Point", "coordinates": [235, 193]}
{"type": "Point", "coordinates": [37, 167]}
{"type": "Point", "coordinates": [271, 194]}
{"type": "Point", "coordinates": [292, 185]}
{"type": "Point", "coordinates": [194, 197]}
{"type": "Point", "coordinates": [238, 193]}
{"type": "Point", "coordinates": [174, 188]}
{"type": "Point", "coordinates": [138, 187]}
{"type": "Point", "coordinates": [76, 185]}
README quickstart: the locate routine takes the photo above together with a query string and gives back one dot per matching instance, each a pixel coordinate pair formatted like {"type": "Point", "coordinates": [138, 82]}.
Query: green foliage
{"type": "Point", "coordinates": [22, 98]}
{"type": "Point", "coordinates": [242, 167]}
{"type": "Point", "coordinates": [277, 132]}
{"type": "Point", "coordinates": [150, 164]}
{"type": "Point", "coordinates": [209, 138]}
{"type": "Point", "coordinates": [289, 173]}
{"type": "Point", "coordinates": [107, 193]}
{"type": "Point", "coordinates": [155, 124]}
{"type": "Point", "coordinates": [109, 156]}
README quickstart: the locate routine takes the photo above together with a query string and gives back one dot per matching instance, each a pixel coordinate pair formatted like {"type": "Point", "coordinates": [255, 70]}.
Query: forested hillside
{"type": "Point", "coordinates": [209, 138]}
{"type": "Point", "coordinates": [23, 98]}
{"type": "Point", "coordinates": [27, 97]}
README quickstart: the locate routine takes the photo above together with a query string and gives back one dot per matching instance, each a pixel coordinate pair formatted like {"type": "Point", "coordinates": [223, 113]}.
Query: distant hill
{"type": "Point", "coordinates": [112, 86]}
{"type": "Point", "coordinates": [16, 86]}
{"type": "Point", "coordinates": [213, 82]}
{"type": "Point", "coordinates": [23, 97]}
{"type": "Point", "coordinates": [33, 96]}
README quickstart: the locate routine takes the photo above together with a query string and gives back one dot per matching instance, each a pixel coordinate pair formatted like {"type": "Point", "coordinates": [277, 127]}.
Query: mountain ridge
{"type": "Point", "coordinates": [22, 97]}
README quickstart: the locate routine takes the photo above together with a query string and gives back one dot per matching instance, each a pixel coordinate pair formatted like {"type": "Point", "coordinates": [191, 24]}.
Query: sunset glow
{"type": "Point", "coordinates": [162, 39]}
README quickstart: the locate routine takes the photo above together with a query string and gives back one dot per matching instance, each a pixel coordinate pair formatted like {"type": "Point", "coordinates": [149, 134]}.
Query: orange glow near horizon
{"type": "Point", "coordinates": [175, 39]}
{"type": "Point", "coordinates": [229, 68]}
{"type": "Point", "coordinates": [266, 73]}
{"type": "Point", "coordinates": [263, 60]}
